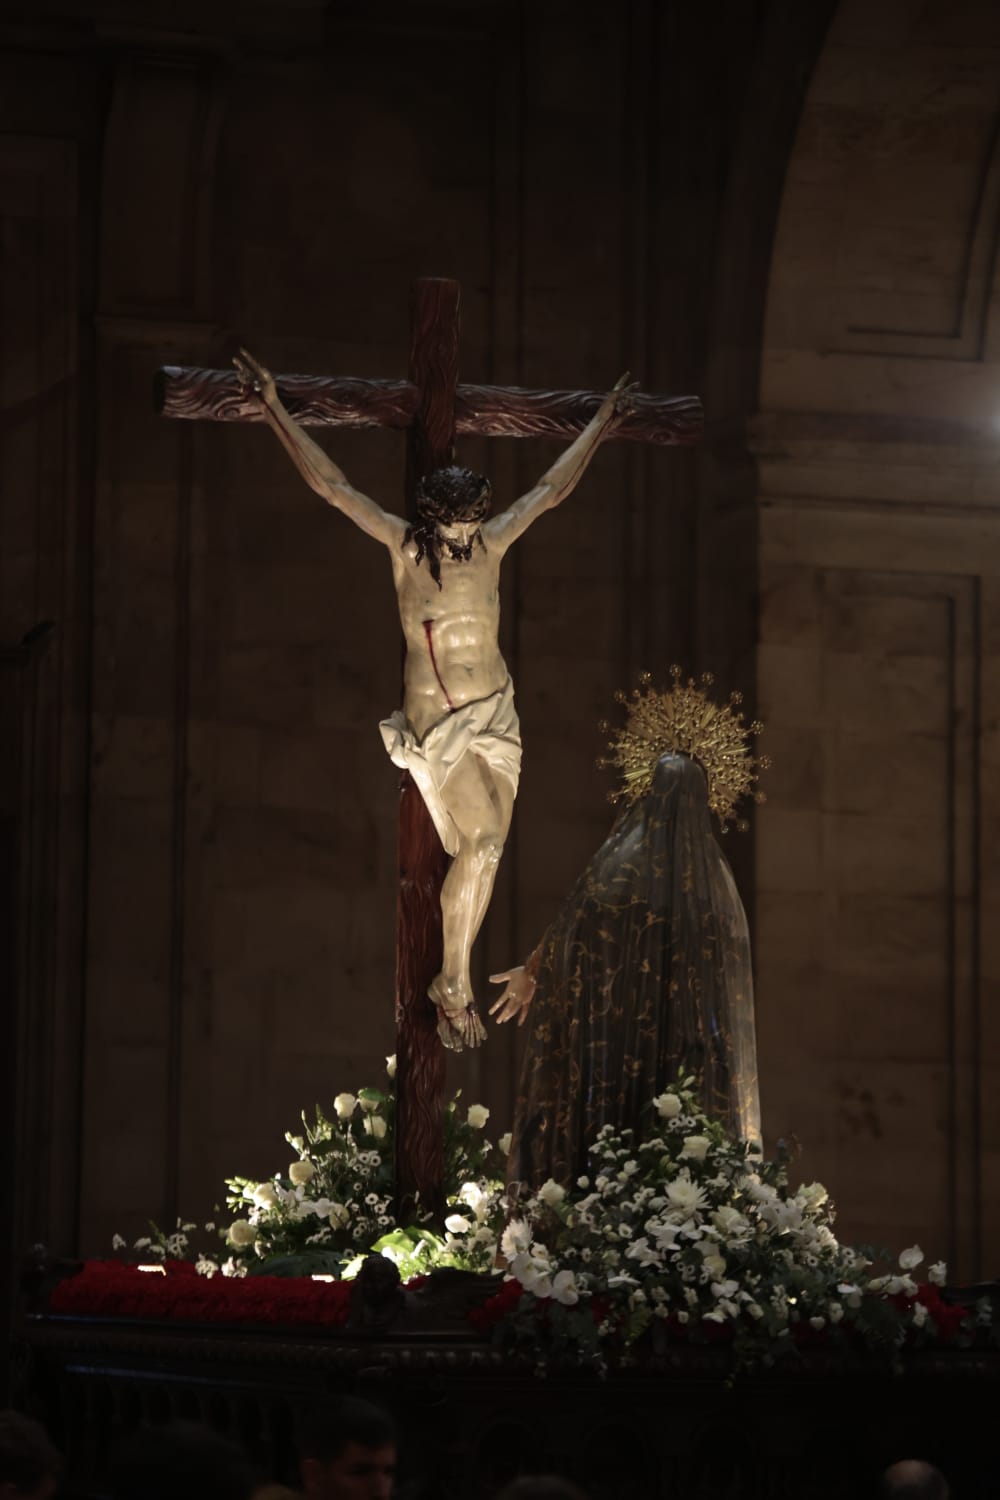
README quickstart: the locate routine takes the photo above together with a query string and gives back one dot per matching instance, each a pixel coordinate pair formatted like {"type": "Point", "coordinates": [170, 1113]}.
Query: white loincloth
{"type": "Point", "coordinates": [488, 727]}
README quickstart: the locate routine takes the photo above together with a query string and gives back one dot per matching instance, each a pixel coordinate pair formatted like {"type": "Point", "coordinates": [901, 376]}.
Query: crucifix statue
{"type": "Point", "coordinates": [456, 737]}
{"type": "Point", "coordinates": [457, 733]}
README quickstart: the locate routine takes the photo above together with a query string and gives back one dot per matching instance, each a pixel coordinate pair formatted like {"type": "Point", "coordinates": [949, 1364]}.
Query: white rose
{"type": "Point", "coordinates": [910, 1258]}
{"type": "Point", "coordinates": [504, 1142]}
{"type": "Point", "coordinates": [730, 1222]}
{"type": "Point", "coordinates": [301, 1172]}
{"type": "Point", "coordinates": [264, 1196]}
{"type": "Point", "coordinates": [715, 1265]}
{"type": "Point", "coordinates": [668, 1106]}
{"type": "Point", "coordinates": [375, 1125]}
{"type": "Point", "coordinates": [835, 1312]}
{"type": "Point", "coordinates": [241, 1234]}
{"type": "Point", "coordinates": [813, 1194]}
{"type": "Point", "coordinates": [696, 1147]}
{"type": "Point", "coordinates": [755, 1310]}
{"type": "Point", "coordinates": [339, 1216]}
{"type": "Point", "coordinates": [368, 1104]}
{"type": "Point", "coordinates": [457, 1224]}
{"type": "Point", "coordinates": [919, 1315]}
{"type": "Point", "coordinates": [477, 1116]}
{"type": "Point", "coordinates": [818, 1323]}
{"type": "Point", "coordinates": [344, 1104]}
{"type": "Point", "coordinates": [551, 1193]}
{"type": "Point", "coordinates": [390, 1065]}
{"type": "Point", "coordinates": [937, 1274]}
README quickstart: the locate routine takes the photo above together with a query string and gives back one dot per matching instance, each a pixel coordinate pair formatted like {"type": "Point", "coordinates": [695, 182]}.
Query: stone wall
{"type": "Point", "coordinates": [879, 567]}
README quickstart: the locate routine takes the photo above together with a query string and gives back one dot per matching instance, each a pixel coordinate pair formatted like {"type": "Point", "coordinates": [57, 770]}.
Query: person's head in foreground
{"type": "Point", "coordinates": [912, 1479]}
{"type": "Point", "coordinates": [180, 1461]}
{"type": "Point", "coordinates": [347, 1451]}
{"type": "Point", "coordinates": [29, 1465]}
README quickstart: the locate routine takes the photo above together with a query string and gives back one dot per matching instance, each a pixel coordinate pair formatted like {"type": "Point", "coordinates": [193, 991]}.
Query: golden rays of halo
{"type": "Point", "coordinates": [684, 718]}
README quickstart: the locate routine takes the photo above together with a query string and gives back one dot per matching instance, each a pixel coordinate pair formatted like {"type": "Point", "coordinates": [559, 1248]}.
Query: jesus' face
{"type": "Point", "coordinates": [458, 538]}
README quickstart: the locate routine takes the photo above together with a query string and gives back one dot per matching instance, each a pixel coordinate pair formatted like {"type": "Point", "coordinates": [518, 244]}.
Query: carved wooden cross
{"type": "Point", "coordinates": [434, 409]}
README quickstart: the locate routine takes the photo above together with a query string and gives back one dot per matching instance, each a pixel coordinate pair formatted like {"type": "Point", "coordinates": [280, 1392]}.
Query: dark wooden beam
{"type": "Point", "coordinates": [423, 863]}
{"type": "Point", "coordinates": [489, 411]}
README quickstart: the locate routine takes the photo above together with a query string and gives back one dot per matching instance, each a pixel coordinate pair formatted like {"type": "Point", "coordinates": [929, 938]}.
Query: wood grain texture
{"type": "Point", "coordinates": [314, 400]}
{"type": "Point", "coordinates": [423, 864]}
{"type": "Point", "coordinates": [508, 411]}
{"type": "Point", "coordinates": [486, 411]}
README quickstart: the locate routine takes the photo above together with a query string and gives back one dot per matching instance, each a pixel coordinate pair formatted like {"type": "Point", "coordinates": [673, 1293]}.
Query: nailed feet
{"type": "Point", "coordinates": [459, 1025]}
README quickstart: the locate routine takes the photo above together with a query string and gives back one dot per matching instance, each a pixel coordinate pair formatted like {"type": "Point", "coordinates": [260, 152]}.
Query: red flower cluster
{"type": "Point", "coordinates": [946, 1317]}
{"type": "Point", "coordinates": [495, 1309]}
{"type": "Point", "coordinates": [108, 1289]}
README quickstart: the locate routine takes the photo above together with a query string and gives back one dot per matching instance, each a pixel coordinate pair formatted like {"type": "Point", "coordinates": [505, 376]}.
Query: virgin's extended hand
{"type": "Point", "coordinates": [518, 995]}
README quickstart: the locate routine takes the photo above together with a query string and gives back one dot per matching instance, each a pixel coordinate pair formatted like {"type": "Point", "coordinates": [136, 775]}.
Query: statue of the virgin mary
{"type": "Point", "coordinates": [645, 972]}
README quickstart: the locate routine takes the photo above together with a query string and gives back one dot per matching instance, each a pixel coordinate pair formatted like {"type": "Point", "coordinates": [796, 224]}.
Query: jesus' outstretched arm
{"type": "Point", "coordinates": [316, 467]}
{"type": "Point", "coordinates": [564, 475]}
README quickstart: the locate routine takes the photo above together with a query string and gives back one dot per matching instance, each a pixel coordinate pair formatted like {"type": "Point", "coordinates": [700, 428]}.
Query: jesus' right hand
{"type": "Point", "coordinates": [254, 376]}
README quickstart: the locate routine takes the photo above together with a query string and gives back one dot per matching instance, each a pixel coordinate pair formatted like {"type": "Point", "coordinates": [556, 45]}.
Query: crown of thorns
{"type": "Point", "coordinates": [453, 495]}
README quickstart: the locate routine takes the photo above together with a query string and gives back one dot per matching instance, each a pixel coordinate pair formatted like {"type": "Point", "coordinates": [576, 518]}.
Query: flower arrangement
{"type": "Point", "coordinates": [691, 1236]}
{"type": "Point", "coordinates": [334, 1203]}
{"type": "Point", "coordinates": [680, 1234]}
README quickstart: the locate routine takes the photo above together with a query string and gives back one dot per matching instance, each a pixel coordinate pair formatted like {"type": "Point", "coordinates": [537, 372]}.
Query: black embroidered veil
{"type": "Point", "coordinates": [644, 972]}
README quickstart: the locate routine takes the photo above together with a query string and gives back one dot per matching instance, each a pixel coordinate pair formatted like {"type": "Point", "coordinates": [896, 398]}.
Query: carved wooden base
{"type": "Point", "coordinates": [472, 1419]}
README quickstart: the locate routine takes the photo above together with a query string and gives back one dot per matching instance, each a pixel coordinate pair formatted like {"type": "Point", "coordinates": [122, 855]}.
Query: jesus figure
{"type": "Point", "coordinates": [457, 733]}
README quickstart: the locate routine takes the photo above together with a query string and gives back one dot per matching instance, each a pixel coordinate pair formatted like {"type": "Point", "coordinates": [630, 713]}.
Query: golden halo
{"type": "Point", "coordinates": [684, 719]}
